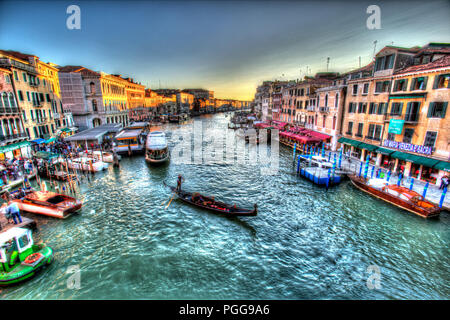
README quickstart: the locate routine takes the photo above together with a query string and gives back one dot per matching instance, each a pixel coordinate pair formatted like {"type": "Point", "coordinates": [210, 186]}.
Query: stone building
{"type": "Point", "coordinates": [94, 98]}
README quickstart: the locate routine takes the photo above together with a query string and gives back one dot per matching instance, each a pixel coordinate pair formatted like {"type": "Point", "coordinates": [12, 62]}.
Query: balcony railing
{"type": "Point", "coordinates": [8, 137]}
{"type": "Point", "coordinates": [9, 110]}
{"type": "Point", "coordinates": [324, 109]}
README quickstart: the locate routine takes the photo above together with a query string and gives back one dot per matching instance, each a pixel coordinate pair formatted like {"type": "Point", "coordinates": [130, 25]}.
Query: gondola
{"type": "Point", "coordinates": [213, 205]}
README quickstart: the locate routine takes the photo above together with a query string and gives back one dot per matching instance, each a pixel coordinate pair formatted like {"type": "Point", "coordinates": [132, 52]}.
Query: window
{"type": "Point", "coordinates": [377, 135]}
{"type": "Point", "coordinates": [350, 128]}
{"type": "Point", "coordinates": [437, 110]}
{"type": "Point", "coordinates": [391, 136]}
{"type": "Point", "coordinates": [23, 241]}
{"type": "Point", "coordinates": [382, 86]}
{"type": "Point", "coordinates": [400, 85]}
{"type": "Point", "coordinates": [7, 78]}
{"type": "Point", "coordinates": [28, 96]}
{"type": "Point", "coordinates": [24, 75]}
{"type": "Point", "coordinates": [430, 139]}
{"type": "Point", "coordinates": [372, 108]}
{"type": "Point", "coordinates": [47, 96]}
{"type": "Point", "coordinates": [12, 101]}
{"type": "Point", "coordinates": [16, 76]}
{"type": "Point", "coordinates": [407, 136]}
{"type": "Point", "coordinates": [355, 89]}
{"type": "Point", "coordinates": [362, 107]}
{"type": "Point", "coordinates": [370, 131]}
{"type": "Point", "coordinates": [383, 63]}
{"type": "Point", "coordinates": [396, 108]}
{"type": "Point", "coordinates": [336, 100]}
{"type": "Point", "coordinates": [382, 108]}
{"type": "Point", "coordinates": [352, 107]}
{"type": "Point", "coordinates": [326, 100]}
{"type": "Point", "coordinates": [366, 88]}
{"type": "Point", "coordinates": [360, 130]}
{"type": "Point", "coordinates": [20, 95]}
{"type": "Point", "coordinates": [442, 81]}
{"type": "Point", "coordinates": [419, 83]}
{"type": "Point", "coordinates": [412, 111]}
{"type": "Point", "coordinates": [5, 100]}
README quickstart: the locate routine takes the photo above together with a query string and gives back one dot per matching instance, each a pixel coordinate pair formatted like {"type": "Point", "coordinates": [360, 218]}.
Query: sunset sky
{"type": "Point", "coordinates": [225, 46]}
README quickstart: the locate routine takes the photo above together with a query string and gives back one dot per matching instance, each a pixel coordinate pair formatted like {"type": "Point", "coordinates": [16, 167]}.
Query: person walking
{"type": "Point", "coordinates": [12, 211]}
{"type": "Point", "coordinates": [444, 182]}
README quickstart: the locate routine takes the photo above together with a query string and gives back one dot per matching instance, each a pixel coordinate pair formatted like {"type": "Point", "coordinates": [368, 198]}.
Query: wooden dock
{"type": "Point", "coordinates": [5, 225]}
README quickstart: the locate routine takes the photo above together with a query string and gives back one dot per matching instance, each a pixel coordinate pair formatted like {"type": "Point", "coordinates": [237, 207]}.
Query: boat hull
{"type": "Point", "coordinates": [25, 272]}
{"type": "Point", "coordinates": [237, 212]}
{"type": "Point", "coordinates": [157, 161]}
{"type": "Point", "coordinates": [360, 183]}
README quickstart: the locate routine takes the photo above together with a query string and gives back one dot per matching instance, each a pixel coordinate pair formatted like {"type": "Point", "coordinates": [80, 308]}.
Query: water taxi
{"type": "Point", "coordinates": [156, 149]}
{"type": "Point", "coordinates": [399, 196]}
{"type": "Point", "coordinates": [129, 141]}
{"type": "Point", "coordinates": [48, 203]}
{"type": "Point", "coordinates": [20, 258]}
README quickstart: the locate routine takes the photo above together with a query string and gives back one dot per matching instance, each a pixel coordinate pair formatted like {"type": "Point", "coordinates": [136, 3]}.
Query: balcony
{"type": "Point", "coordinates": [10, 137]}
{"type": "Point", "coordinates": [324, 109]}
{"type": "Point", "coordinates": [311, 108]}
{"type": "Point", "coordinates": [9, 110]}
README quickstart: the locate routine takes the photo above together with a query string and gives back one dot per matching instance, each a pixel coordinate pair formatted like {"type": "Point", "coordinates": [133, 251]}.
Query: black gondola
{"type": "Point", "coordinates": [213, 205]}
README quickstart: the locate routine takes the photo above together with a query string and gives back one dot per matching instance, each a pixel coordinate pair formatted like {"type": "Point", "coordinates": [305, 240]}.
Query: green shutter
{"type": "Point", "coordinates": [391, 62]}
{"type": "Point", "coordinates": [430, 109]}
{"type": "Point", "coordinates": [436, 82]}
{"type": "Point", "coordinates": [405, 85]}
{"type": "Point", "coordinates": [408, 109]}
{"type": "Point", "coordinates": [400, 109]}
{"type": "Point", "coordinates": [425, 81]}
{"type": "Point", "coordinates": [412, 84]}
{"type": "Point", "coordinates": [444, 109]}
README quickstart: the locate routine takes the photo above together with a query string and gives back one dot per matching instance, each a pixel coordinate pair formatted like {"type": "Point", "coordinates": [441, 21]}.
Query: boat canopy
{"type": "Point", "coordinates": [45, 155]}
{"type": "Point", "coordinates": [127, 134]}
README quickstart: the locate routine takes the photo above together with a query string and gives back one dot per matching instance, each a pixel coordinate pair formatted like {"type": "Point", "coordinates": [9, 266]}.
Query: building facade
{"type": "Point", "coordinates": [94, 98]}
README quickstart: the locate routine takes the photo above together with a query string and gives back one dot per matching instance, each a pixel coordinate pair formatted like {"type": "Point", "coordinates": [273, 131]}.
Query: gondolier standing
{"type": "Point", "coordinates": [180, 180]}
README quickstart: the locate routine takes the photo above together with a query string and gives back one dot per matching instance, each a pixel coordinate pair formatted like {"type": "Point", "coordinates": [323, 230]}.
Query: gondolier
{"type": "Point", "coordinates": [180, 180]}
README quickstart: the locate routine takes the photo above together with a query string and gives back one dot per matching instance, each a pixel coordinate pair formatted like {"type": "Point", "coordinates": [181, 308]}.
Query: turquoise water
{"type": "Point", "coordinates": [305, 243]}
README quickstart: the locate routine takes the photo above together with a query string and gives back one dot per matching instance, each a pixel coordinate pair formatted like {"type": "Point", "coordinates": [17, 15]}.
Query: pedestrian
{"type": "Point", "coordinates": [444, 182]}
{"type": "Point", "coordinates": [12, 211]}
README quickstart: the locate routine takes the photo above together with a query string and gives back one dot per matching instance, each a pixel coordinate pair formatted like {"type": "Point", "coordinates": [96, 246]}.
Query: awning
{"type": "Point", "coordinates": [14, 146]}
{"type": "Point", "coordinates": [319, 135]}
{"type": "Point", "coordinates": [367, 146]}
{"type": "Point", "coordinates": [385, 151]}
{"type": "Point", "coordinates": [349, 141]}
{"type": "Point", "coordinates": [442, 165]}
{"type": "Point", "coordinates": [50, 140]}
{"type": "Point", "coordinates": [428, 162]}
{"type": "Point", "coordinates": [38, 141]}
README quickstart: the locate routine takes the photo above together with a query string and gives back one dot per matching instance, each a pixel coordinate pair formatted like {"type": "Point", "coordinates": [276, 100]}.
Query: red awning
{"type": "Point", "coordinates": [319, 135]}
{"type": "Point", "coordinates": [305, 139]}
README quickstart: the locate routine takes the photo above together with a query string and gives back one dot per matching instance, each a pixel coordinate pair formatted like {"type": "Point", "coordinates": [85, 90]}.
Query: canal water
{"type": "Point", "coordinates": [305, 243]}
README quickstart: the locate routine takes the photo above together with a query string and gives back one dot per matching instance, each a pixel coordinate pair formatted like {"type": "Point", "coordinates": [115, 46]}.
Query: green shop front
{"type": "Point", "coordinates": [413, 160]}
{"type": "Point", "coordinates": [15, 150]}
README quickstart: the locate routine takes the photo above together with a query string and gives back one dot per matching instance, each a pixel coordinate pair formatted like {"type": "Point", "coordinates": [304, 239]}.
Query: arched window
{"type": "Point", "coordinates": [92, 87]}
{"type": "Point", "coordinates": [334, 122]}
{"type": "Point", "coordinates": [12, 102]}
{"type": "Point", "coordinates": [5, 99]}
{"type": "Point", "coordinates": [1, 102]}
{"type": "Point", "coordinates": [324, 121]}
{"type": "Point", "coordinates": [94, 105]}
{"type": "Point", "coordinates": [336, 100]}
{"type": "Point", "coordinates": [326, 100]}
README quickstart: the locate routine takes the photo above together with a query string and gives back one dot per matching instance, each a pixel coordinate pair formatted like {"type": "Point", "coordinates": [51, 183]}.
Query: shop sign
{"type": "Point", "coordinates": [407, 147]}
{"type": "Point", "coordinates": [396, 126]}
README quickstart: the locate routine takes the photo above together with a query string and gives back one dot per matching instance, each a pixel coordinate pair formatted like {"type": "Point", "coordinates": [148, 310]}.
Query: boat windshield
{"type": "Point", "coordinates": [56, 199]}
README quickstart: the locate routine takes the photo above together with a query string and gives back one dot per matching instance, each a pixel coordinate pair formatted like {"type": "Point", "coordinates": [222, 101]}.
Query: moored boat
{"type": "Point", "coordinates": [20, 258]}
{"type": "Point", "coordinates": [211, 204]}
{"type": "Point", "coordinates": [399, 196]}
{"type": "Point", "coordinates": [87, 164]}
{"type": "Point", "coordinates": [49, 203]}
{"type": "Point", "coordinates": [98, 155]}
{"type": "Point", "coordinates": [156, 149]}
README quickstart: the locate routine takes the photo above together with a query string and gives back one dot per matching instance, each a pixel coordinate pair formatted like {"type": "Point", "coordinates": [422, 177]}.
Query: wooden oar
{"type": "Point", "coordinates": [170, 200]}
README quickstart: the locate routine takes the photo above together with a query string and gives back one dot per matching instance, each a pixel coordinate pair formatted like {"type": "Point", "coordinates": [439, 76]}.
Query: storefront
{"type": "Point", "coordinates": [15, 150]}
